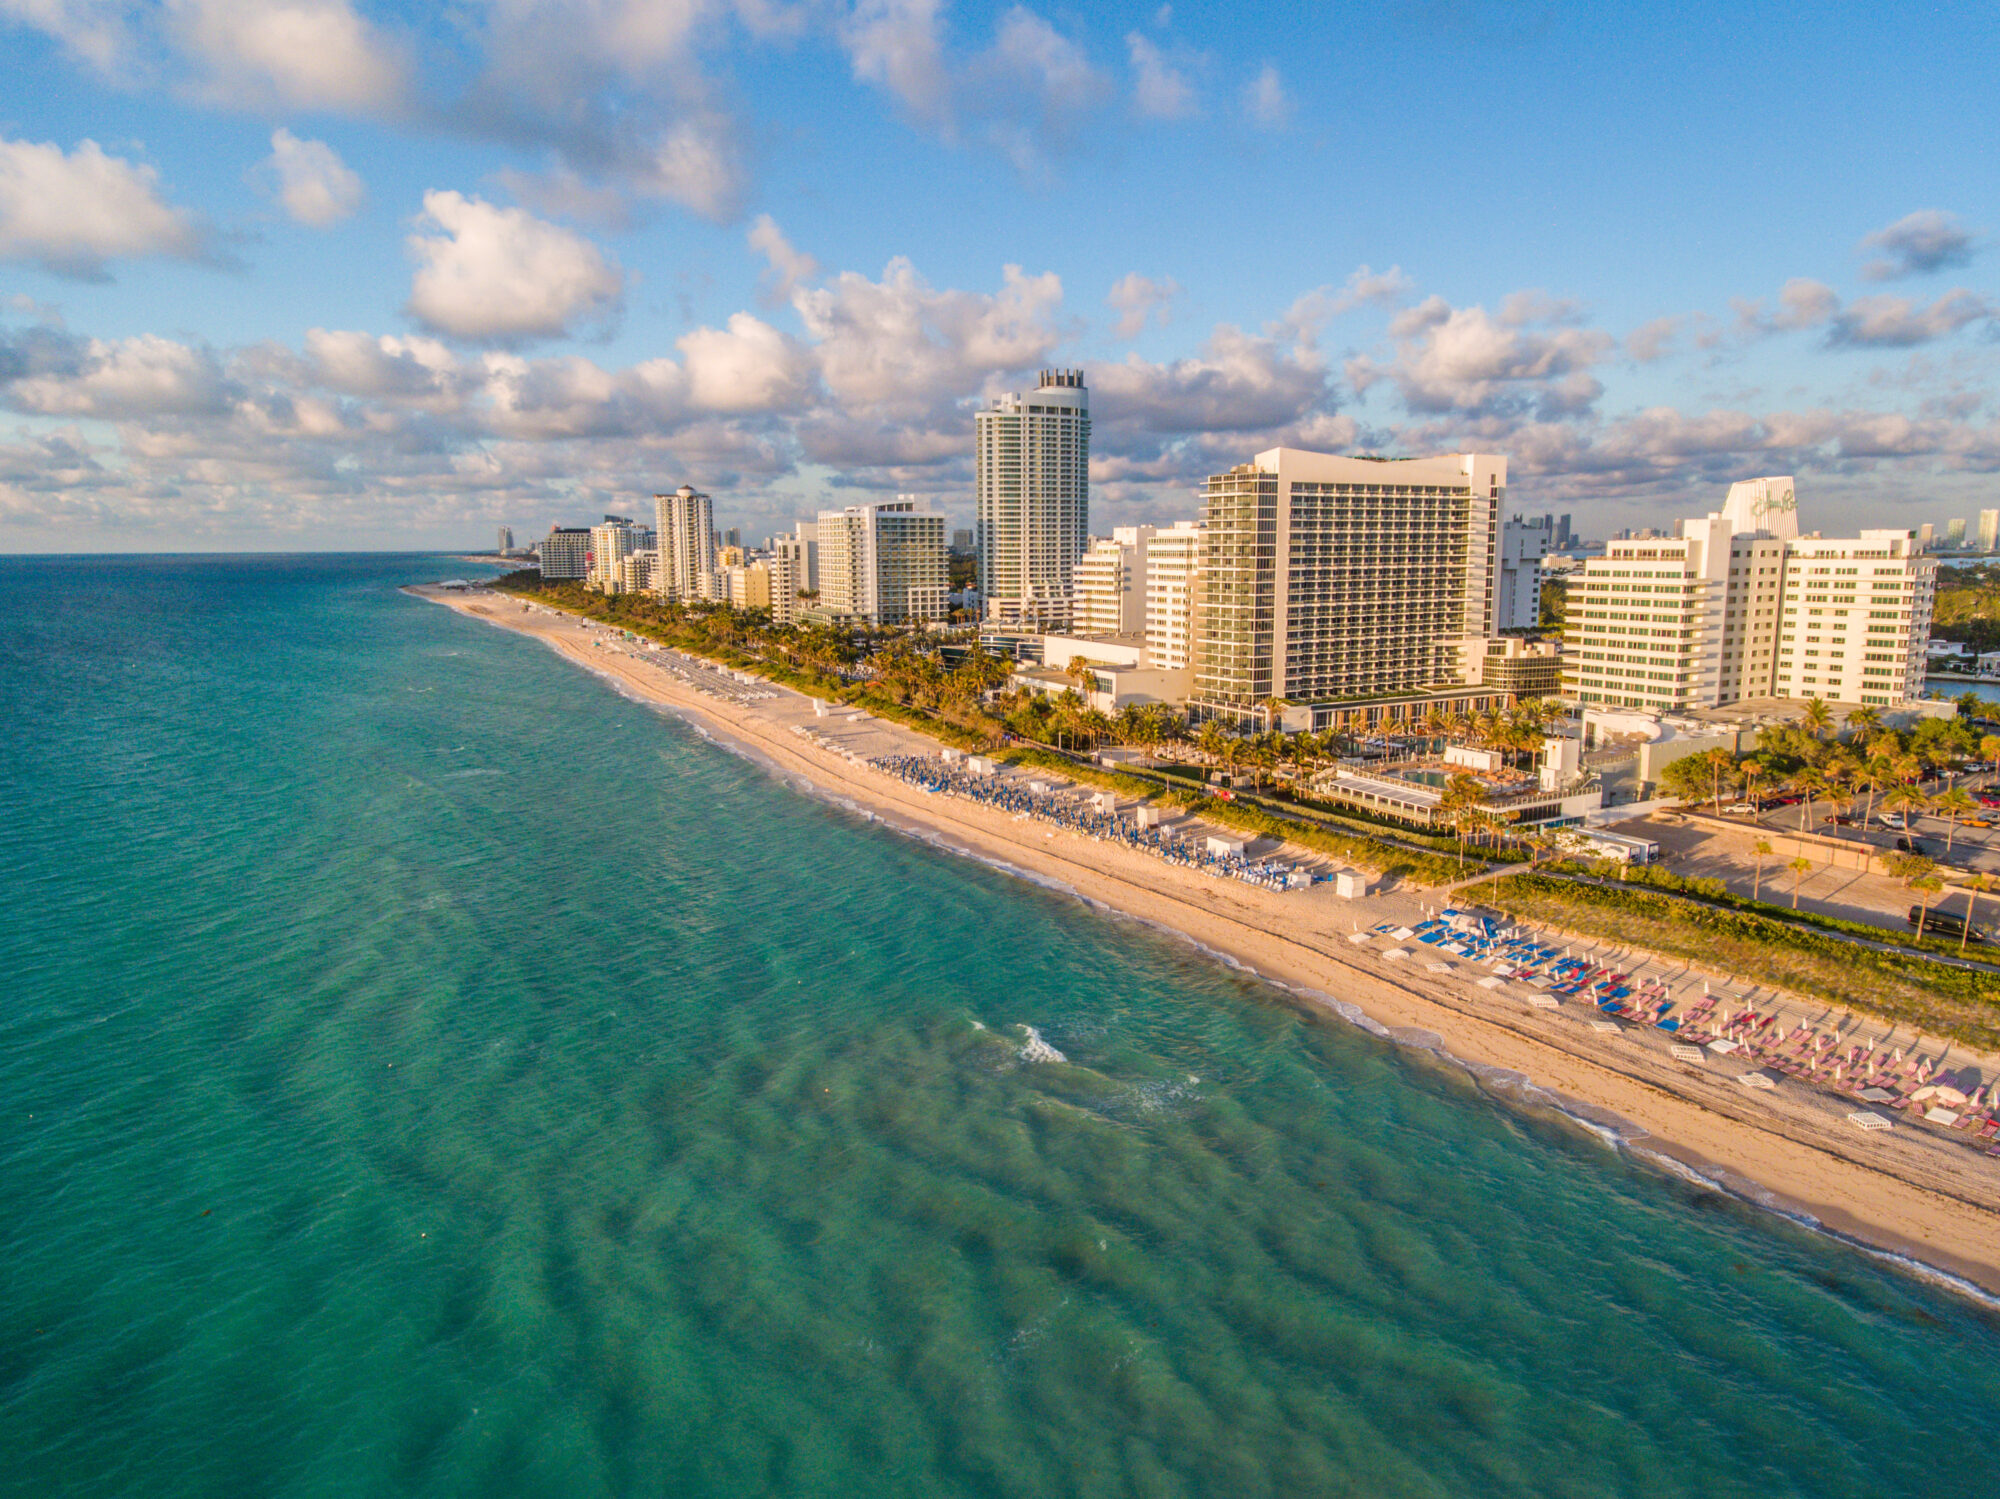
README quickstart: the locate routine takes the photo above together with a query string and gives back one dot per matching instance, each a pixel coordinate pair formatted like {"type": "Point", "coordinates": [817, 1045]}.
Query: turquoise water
{"type": "Point", "coordinates": [428, 1073]}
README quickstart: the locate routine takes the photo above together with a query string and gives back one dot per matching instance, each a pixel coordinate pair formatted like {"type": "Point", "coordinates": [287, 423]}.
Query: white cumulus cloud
{"type": "Point", "coordinates": [132, 377]}
{"type": "Point", "coordinates": [1367, 287]}
{"type": "Point", "coordinates": [750, 366]}
{"type": "Point", "coordinates": [900, 346]}
{"type": "Point", "coordinates": [1136, 299]}
{"type": "Point", "coordinates": [1027, 93]}
{"type": "Point", "coordinates": [303, 54]}
{"type": "Point", "coordinates": [694, 162]}
{"type": "Point", "coordinates": [97, 33]}
{"type": "Point", "coordinates": [898, 46]}
{"type": "Point", "coordinates": [315, 186]}
{"type": "Point", "coordinates": [501, 275]}
{"type": "Point", "coordinates": [1265, 102]}
{"type": "Point", "coordinates": [1465, 360]}
{"type": "Point", "coordinates": [1927, 240]}
{"type": "Point", "coordinates": [1897, 322]}
{"type": "Point", "coordinates": [1160, 91]}
{"type": "Point", "coordinates": [789, 267]}
{"type": "Point", "coordinates": [71, 211]}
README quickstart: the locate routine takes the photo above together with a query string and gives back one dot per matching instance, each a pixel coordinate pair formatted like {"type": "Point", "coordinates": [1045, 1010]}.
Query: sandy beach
{"type": "Point", "coordinates": [1904, 1191]}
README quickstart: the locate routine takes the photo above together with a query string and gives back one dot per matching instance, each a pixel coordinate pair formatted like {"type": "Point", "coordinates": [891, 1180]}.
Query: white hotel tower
{"type": "Point", "coordinates": [1739, 605]}
{"type": "Point", "coordinates": [1033, 492]}
{"type": "Point", "coordinates": [686, 536]}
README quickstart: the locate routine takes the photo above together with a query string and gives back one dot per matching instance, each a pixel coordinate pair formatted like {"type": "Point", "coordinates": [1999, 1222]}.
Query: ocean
{"type": "Point", "coordinates": [427, 1072]}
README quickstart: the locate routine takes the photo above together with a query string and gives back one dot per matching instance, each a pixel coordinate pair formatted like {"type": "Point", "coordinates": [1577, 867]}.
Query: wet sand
{"type": "Point", "coordinates": [1900, 1191]}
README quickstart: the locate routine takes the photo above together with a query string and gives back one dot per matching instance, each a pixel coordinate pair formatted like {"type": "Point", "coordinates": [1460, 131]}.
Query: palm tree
{"type": "Point", "coordinates": [1840, 770]}
{"type": "Point", "coordinates": [1065, 719]}
{"type": "Point", "coordinates": [1914, 870]}
{"type": "Point", "coordinates": [1905, 798]}
{"type": "Point", "coordinates": [1800, 868]}
{"type": "Point", "coordinates": [1261, 756]}
{"type": "Point", "coordinates": [1973, 887]}
{"type": "Point", "coordinates": [1721, 763]}
{"type": "Point", "coordinates": [1763, 851]}
{"type": "Point", "coordinates": [1818, 718]}
{"type": "Point", "coordinates": [1873, 776]}
{"type": "Point", "coordinates": [1463, 800]}
{"type": "Point", "coordinates": [1752, 768]}
{"type": "Point", "coordinates": [1301, 750]}
{"type": "Point", "coordinates": [1808, 782]}
{"type": "Point", "coordinates": [1273, 707]}
{"type": "Point", "coordinates": [1951, 806]}
{"type": "Point", "coordinates": [1927, 887]}
{"type": "Point", "coordinates": [1212, 738]}
{"type": "Point", "coordinates": [1863, 724]}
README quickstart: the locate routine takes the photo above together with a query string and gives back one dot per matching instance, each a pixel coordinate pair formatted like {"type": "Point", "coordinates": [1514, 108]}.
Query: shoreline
{"type": "Point", "coordinates": [1927, 1206]}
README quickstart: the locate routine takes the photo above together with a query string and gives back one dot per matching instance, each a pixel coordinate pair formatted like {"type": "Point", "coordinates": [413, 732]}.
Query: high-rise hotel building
{"type": "Point", "coordinates": [564, 553]}
{"type": "Point", "coordinates": [610, 544]}
{"type": "Point", "coordinates": [685, 527]}
{"type": "Point", "coordinates": [1032, 487]}
{"type": "Point", "coordinates": [1327, 579]}
{"type": "Point", "coordinates": [1739, 605]}
{"type": "Point", "coordinates": [884, 563]}
{"type": "Point", "coordinates": [1173, 572]}
{"type": "Point", "coordinates": [1110, 587]}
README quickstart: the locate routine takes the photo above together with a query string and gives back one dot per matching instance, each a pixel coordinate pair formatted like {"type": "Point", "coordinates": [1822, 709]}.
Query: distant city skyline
{"type": "Point", "coordinates": [392, 277]}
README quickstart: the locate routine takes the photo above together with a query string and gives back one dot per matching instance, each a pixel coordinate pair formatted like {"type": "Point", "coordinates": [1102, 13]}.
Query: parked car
{"type": "Point", "coordinates": [1784, 801]}
{"type": "Point", "coordinates": [1840, 819]}
{"type": "Point", "coordinates": [1894, 820]}
{"type": "Point", "coordinates": [1944, 924]}
{"type": "Point", "coordinates": [1742, 809]}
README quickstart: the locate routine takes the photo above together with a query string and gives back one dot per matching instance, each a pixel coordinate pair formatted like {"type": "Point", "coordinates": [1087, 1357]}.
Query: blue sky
{"type": "Point", "coordinates": [315, 273]}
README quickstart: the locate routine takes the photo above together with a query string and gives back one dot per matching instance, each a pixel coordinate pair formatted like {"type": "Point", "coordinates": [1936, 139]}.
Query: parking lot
{"type": "Point", "coordinates": [1968, 846]}
{"type": "Point", "coordinates": [1706, 852]}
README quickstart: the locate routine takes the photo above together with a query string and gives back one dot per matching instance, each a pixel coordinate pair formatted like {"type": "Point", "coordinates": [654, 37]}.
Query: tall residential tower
{"type": "Point", "coordinates": [686, 535]}
{"type": "Point", "coordinates": [1033, 493]}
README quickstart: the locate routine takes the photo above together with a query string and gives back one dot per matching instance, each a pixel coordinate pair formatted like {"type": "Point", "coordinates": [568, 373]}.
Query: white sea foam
{"type": "Point", "coordinates": [1038, 1050]}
